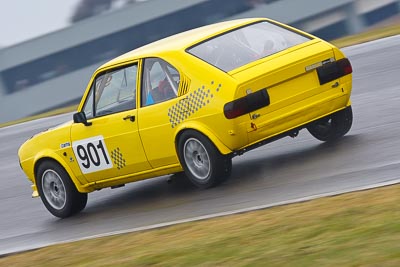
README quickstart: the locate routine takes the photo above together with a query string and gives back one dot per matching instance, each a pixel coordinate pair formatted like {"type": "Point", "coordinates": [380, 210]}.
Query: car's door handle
{"type": "Point", "coordinates": [130, 117]}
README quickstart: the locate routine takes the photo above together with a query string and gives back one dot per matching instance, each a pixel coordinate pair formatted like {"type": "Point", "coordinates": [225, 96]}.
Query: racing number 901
{"type": "Point", "coordinates": [90, 155]}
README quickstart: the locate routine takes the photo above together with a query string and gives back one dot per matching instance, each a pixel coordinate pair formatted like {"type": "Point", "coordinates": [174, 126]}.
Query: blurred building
{"type": "Point", "coordinates": [53, 70]}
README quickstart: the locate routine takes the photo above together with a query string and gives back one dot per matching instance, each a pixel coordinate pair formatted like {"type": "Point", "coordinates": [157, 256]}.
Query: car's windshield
{"type": "Point", "coordinates": [246, 44]}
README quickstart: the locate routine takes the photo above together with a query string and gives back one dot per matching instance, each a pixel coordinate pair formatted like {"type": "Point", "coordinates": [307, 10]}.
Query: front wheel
{"type": "Point", "coordinates": [204, 165]}
{"type": "Point", "coordinates": [332, 127]}
{"type": "Point", "coordinates": [57, 191]}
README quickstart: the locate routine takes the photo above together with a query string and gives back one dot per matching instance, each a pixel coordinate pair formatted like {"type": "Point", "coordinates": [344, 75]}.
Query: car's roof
{"type": "Point", "coordinates": [180, 41]}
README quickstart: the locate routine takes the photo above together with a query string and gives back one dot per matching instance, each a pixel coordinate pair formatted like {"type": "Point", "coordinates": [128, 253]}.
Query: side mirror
{"type": "Point", "coordinates": [80, 117]}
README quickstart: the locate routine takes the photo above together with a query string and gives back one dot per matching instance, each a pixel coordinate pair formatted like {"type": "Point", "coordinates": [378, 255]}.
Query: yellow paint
{"type": "Point", "coordinates": [146, 146]}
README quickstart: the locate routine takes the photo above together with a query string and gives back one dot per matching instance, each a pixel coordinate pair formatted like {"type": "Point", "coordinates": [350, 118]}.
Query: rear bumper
{"type": "Point", "coordinates": [289, 120]}
{"type": "Point", "coordinates": [299, 113]}
{"type": "Point", "coordinates": [292, 132]}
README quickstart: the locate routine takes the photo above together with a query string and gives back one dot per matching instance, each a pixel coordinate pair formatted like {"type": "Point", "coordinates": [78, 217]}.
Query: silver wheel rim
{"type": "Point", "coordinates": [54, 189]}
{"type": "Point", "coordinates": [197, 158]}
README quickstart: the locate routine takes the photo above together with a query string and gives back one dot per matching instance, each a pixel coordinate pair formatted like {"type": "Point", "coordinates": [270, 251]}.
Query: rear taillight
{"type": "Point", "coordinates": [334, 70]}
{"type": "Point", "coordinates": [246, 104]}
{"type": "Point", "coordinates": [345, 66]}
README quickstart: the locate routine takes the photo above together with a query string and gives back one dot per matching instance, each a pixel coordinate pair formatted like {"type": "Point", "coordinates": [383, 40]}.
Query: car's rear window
{"type": "Point", "coordinates": [246, 44]}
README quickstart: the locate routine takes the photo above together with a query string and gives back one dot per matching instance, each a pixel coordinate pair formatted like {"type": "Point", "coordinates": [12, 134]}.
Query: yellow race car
{"type": "Point", "coordinates": [191, 102]}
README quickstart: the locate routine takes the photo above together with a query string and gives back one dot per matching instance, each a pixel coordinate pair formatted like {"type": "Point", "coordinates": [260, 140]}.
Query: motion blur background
{"type": "Point", "coordinates": [49, 49]}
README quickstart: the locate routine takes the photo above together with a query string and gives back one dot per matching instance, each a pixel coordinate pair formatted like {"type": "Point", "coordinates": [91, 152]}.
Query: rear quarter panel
{"type": "Point", "coordinates": [202, 107]}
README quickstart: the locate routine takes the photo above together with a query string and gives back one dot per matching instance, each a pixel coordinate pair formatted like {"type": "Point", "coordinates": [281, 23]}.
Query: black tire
{"type": "Point", "coordinates": [332, 127]}
{"type": "Point", "coordinates": [57, 191]}
{"type": "Point", "coordinates": [203, 164]}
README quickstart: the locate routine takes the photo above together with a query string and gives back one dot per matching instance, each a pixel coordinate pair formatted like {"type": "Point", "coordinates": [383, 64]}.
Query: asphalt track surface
{"type": "Point", "coordinates": [280, 172]}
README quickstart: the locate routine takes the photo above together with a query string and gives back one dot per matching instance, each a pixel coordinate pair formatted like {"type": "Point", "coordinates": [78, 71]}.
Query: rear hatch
{"type": "Point", "coordinates": [292, 83]}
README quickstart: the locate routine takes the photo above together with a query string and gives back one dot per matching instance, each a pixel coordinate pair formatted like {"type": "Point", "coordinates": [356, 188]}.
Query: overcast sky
{"type": "Point", "coordinates": [22, 20]}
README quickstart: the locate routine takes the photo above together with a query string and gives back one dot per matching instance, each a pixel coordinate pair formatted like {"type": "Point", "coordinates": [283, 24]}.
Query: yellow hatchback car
{"type": "Point", "coordinates": [191, 102]}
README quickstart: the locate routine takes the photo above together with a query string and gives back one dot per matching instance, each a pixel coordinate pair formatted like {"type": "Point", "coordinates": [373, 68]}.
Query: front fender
{"type": "Point", "coordinates": [81, 185]}
{"type": "Point", "coordinates": [202, 128]}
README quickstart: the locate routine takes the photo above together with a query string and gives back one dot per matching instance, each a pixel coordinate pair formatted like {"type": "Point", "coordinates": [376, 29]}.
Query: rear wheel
{"type": "Point", "coordinates": [332, 127]}
{"type": "Point", "coordinates": [57, 191]}
{"type": "Point", "coordinates": [204, 165]}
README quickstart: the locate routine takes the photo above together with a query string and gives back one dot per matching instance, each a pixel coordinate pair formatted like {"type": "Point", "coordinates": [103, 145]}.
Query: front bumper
{"type": "Point", "coordinates": [35, 193]}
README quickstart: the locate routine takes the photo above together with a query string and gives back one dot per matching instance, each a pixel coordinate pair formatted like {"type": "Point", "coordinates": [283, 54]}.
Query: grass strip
{"type": "Point", "coordinates": [354, 229]}
{"type": "Point", "coordinates": [369, 35]}
{"type": "Point", "coordinates": [42, 115]}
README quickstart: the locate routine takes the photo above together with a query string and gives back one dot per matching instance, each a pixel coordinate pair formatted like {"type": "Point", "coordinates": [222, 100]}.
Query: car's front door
{"type": "Point", "coordinates": [111, 146]}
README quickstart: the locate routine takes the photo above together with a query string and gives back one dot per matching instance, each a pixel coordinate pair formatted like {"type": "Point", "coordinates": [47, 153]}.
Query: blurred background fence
{"type": "Point", "coordinates": [53, 70]}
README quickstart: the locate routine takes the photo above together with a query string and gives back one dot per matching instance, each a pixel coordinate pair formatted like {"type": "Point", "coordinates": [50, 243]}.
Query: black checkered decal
{"type": "Point", "coordinates": [194, 102]}
{"type": "Point", "coordinates": [118, 158]}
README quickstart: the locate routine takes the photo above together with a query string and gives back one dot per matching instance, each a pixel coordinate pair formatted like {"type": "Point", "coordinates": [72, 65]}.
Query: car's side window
{"type": "Point", "coordinates": [88, 107]}
{"type": "Point", "coordinates": [112, 92]}
{"type": "Point", "coordinates": [160, 81]}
